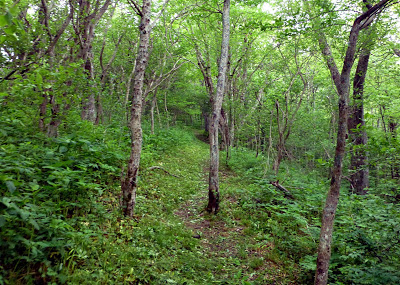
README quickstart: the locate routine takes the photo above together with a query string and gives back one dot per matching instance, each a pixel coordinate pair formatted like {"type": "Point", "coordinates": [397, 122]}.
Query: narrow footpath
{"type": "Point", "coordinates": [227, 238]}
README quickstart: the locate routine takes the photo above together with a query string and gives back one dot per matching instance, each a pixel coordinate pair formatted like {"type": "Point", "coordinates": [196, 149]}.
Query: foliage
{"type": "Point", "coordinates": [59, 205]}
{"type": "Point", "coordinates": [55, 196]}
{"type": "Point", "coordinates": [365, 249]}
{"type": "Point", "coordinates": [45, 184]}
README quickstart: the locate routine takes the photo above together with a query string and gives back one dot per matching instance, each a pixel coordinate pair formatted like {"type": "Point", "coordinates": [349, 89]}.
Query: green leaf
{"type": "Point", "coordinates": [39, 79]}
{"type": "Point", "coordinates": [10, 186]}
{"type": "Point", "coordinates": [3, 21]}
{"type": "Point", "coordinates": [34, 224]}
{"type": "Point", "coordinates": [8, 17]}
{"type": "Point", "coordinates": [35, 187]}
{"type": "Point", "coordinates": [6, 201]}
{"type": "Point", "coordinates": [2, 221]}
{"type": "Point", "coordinates": [63, 149]}
{"type": "Point", "coordinates": [23, 214]}
{"type": "Point", "coordinates": [10, 30]}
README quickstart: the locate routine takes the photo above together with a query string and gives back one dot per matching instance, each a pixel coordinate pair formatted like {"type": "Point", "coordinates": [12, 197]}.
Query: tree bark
{"type": "Point", "coordinates": [213, 189]}
{"type": "Point", "coordinates": [51, 129]}
{"type": "Point", "coordinates": [104, 72]}
{"type": "Point", "coordinates": [342, 83]}
{"type": "Point", "coordinates": [153, 105]}
{"type": "Point", "coordinates": [84, 27]}
{"type": "Point", "coordinates": [359, 180]}
{"type": "Point", "coordinates": [129, 184]}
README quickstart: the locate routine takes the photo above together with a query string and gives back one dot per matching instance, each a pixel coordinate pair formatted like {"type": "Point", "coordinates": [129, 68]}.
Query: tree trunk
{"type": "Point", "coordinates": [359, 180]}
{"type": "Point", "coordinates": [342, 83]}
{"type": "Point", "coordinates": [129, 184]}
{"type": "Point", "coordinates": [49, 95]}
{"type": "Point", "coordinates": [84, 27]}
{"type": "Point", "coordinates": [224, 130]}
{"type": "Point", "coordinates": [153, 105]}
{"type": "Point", "coordinates": [395, 167]}
{"type": "Point", "coordinates": [213, 189]}
{"type": "Point", "coordinates": [281, 142]}
{"type": "Point", "coordinates": [328, 216]}
{"type": "Point", "coordinates": [42, 112]}
{"type": "Point", "coordinates": [52, 130]}
{"type": "Point", "coordinates": [166, 110]}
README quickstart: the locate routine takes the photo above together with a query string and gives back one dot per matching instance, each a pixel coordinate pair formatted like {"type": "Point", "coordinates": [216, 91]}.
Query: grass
{"type": "Point", "coordinates": [171, 239]}
{"type": "Point", "coordinates": [61, 223]}
{"type": "Point", "coordinates": [72, 230]}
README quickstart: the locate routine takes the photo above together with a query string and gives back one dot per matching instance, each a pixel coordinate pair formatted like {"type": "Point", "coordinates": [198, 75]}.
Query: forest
{"type": "Point", "coordinates": [199, 142]}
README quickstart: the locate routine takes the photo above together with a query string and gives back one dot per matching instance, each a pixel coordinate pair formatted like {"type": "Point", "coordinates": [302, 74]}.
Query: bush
{"type": "Point", "coordinates": [44, 183]}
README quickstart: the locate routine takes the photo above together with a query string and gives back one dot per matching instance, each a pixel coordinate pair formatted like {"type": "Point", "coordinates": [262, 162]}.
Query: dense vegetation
{"type": "Point", "coordinates": [67, 84]}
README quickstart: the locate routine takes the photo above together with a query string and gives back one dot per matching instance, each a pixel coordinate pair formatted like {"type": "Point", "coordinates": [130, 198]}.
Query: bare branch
{"type": "Point", "coordinates": [166, 171]}
{"type": "Point", "coordinates": [135, 7]}
{"type": "Point", "coordinates": [157, 18]}
{"type": "Point", "coordinates": [60, 31]}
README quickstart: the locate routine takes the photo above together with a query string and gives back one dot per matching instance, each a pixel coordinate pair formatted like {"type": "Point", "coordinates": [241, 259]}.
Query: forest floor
{"type": "Point", "coordinates": [173, 240]}
{"type": "Point", "coordinates": [227, 236]}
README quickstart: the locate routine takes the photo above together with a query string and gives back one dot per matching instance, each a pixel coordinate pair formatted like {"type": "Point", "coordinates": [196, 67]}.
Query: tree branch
{"type": "Point", "coordinates": [166, 171]}
{"type": "Point", "coordinates": [281, 188]}
{"type": "Point", "coordinates": [135, 7]}
{"type": "Point", "coordinates": [60, 31]}
{"type": "Point", "coordinates": [158, 15]}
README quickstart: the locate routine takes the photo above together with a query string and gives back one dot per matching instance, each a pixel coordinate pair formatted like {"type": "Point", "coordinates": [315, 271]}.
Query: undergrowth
{"type": "Point", "coordinates": [60, 220]}
{"type": "Point", "coordinates": [365, 247]}
{"type": "Point", "coordinates": [59, 208]}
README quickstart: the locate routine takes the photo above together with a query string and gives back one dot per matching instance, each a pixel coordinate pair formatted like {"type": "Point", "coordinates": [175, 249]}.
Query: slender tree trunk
{"type": "Point", "coordinates": [332, 199]}
{"type": "Point", "coordinates": [49, 95]}
{"type": "Point", "coordinates": [52, 130]}
{"type": "Point", "coordinates": [213, 189]}
{"type": "Point", "coordinates": [281, 142]}
{"type": "Point", "coordinates": [395, 165]}
{"type": "Point", "coordinates": [128, 92]}
{"type": "Point", "coordinates": [89, 101]}
{"type": "Point", "coordinates": [342, 83]}
{"type": "Point", "coordinates": [98, 102]}
{"type": "Point", "coordinates": [129, 184]}
{"type": "Point", "coordinates": [158, 116]}
{"type": "Point", "coordinates": [153, 105]}
{"type": "Point", "coordinates": [84, 27]}
{"type": "Point", "coordinates": [231, 124]}
{"type": "Point", "coordinates": [166, 110]}
{"type": "Point", "coordinates": [224, 130]}
{"type": "Point", "coordinates": [359, 180]}
{"type": "Point", "coordinates": [270, 143]}
{"type": "Point", "coordinates": [42, 112]}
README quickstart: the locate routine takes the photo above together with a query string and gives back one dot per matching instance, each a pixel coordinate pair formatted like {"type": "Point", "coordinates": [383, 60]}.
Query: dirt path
{"type": "Point", "coordinates": [228, 239]}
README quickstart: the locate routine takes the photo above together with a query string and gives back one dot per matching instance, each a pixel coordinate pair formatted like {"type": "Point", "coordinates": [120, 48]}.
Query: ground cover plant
{"type": "Point", "coordinates": [61, 226]}
{"type": "Point", "coordinates": [199, 142]}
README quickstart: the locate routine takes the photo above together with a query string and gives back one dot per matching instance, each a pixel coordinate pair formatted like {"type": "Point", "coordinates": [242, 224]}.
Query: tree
{"type": "Point", "coordinates": [88, 16]}
{"type": "Point", "coordinates": [213, 187]}
{"type": "Point", "coordinates": [129, 183]}
{"type": "Point", "coordinates": [342, 83]}
{"type": "Point", "coordinates": [359, 179]}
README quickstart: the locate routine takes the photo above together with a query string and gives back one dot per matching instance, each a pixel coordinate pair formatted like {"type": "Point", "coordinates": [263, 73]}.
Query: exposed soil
{"type": "Point", "coordinates": [232, 241]}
